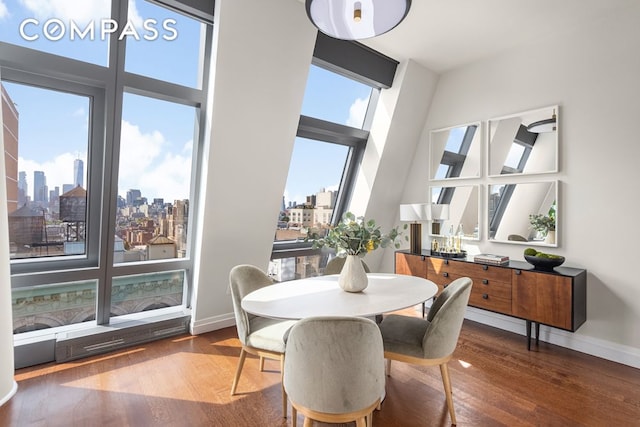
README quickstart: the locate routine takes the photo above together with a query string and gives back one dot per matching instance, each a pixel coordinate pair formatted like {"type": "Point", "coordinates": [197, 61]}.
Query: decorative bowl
{"type": "Point", "coordinates": [546, 264]}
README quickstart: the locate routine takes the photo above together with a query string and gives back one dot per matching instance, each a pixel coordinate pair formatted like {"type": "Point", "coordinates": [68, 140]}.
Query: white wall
{"type": "Point", "coordinates": [8, 386]}
{"type": "Point", "coordinates": [396, 128]}
{"type": "Point", "coordinates": [259, 77]}
{"type": "Point", "coordinates": [593, 76]}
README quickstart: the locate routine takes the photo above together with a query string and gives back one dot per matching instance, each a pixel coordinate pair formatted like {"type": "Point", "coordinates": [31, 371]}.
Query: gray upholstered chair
{"type": "Point", "coordinates": [334, 370]}
{"type": "Point", "coordinates": [335, 264]}
{"type": "Point", "coordinates": [429, 341]}
{"type": "Point", "coordinates": [259, 336]}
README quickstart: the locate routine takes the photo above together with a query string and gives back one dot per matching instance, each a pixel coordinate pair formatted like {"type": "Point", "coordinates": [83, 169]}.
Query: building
{"type": "Point", "coordinates": [78, 173]}
{"type": "Point", "coordinates": [40, 191]}
{"type": "Point", "coordinates": [15, 194]}
{"type": "Point", "coordinates": [23, 189]}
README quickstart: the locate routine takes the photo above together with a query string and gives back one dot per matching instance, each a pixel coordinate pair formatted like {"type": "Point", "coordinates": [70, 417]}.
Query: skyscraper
{"type": "Point", "coordinates": [23, 189]}
{"type": "Point", "coordinates": [39, 187]}
{"type": "Point", "coordinates": [133, 195]}
{"type": "Point", "coordinates": [78, 173]}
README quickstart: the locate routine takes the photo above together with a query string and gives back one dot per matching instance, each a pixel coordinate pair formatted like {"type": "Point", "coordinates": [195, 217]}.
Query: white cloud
{"type": "Point", "coordinates": [78, 11]}
{"type": "Point", "coordinates": [4, 12]}
{"type": "Point", "coordinates": [170, 179]}
{"type": "Point", "coordinates": [143, 167]}
{"type": "Point", "coordinates": [134, 15]}
{"type": "Point", "coordinates": [57, 171]}
{"type": "Point", "coordinates": [357, 112]}
{"type": "Point", "coordinates": [145, 164]}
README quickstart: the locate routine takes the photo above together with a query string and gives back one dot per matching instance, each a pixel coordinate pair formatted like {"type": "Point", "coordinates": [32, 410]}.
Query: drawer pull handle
{"type": "Point", "coordinates": [485, 267]}
{"type": "Point", "coordinates": [485, 282]}
{"type": "Point", "coordinates": [518, 272]}
{"type": "Point", "coordinates": [485, 296]}
{"type": "Point", "coordinates": [445, 274]}
{"type": "Point", "coordinates": [446, 262]}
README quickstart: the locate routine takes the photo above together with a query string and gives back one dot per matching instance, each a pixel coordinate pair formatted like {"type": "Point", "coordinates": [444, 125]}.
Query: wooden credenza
{"type": "Point", "coordinates": [555, 298]}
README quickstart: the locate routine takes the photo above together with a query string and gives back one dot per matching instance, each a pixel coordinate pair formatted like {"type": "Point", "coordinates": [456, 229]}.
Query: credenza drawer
{"type": "Point", "coordinates": [495, 296]}
{"type": "Point", "coordinates": [445, 267]}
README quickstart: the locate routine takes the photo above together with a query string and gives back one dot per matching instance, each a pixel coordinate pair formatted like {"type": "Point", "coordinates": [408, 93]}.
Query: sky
{"type": "Point", "coordinates": [333, 98]}
{"type": "Point", "coordinates": [156, 149]}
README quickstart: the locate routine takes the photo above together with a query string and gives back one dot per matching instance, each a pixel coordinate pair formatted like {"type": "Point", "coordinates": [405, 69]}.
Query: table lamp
{"type": "Point", "coordinates": [415, 213]}
{"type": "Point", "coordinates": [438, 213]}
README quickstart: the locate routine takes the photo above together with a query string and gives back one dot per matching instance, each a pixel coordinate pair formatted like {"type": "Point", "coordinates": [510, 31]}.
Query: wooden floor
{"type": "Point", "coordinates": [185, 381]}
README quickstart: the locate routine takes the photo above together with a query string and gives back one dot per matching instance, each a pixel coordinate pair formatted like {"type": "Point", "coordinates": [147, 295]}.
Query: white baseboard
{"type": "Point", "coordinates": [593, 346]}
{"type": "Point", "coordinates": [214, 323]}
{"type": "Point", "coordinates": [14, 389]}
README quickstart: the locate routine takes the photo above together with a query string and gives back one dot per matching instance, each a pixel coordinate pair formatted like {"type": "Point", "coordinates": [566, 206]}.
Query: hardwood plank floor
{"type": "Point", "coordinates": [185, 381]}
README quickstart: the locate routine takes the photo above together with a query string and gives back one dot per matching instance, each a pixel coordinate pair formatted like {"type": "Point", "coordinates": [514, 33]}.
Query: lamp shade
{"type": "Point", "coordinates": [354, 20]}
{"type": "Point", "coordinates": [415, 212]}
{"type": "Point", "coordinates": [439, 212]}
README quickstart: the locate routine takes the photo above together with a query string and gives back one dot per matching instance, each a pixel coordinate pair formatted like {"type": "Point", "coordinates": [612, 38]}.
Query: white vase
{"type": "Point", "coordinates": [550, 239]}
{"type": "Point", "coordinates": [353, 278]}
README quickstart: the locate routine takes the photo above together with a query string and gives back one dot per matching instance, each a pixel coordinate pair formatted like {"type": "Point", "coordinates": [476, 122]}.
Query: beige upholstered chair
{"type": "Point", "coordinates": [334, 370]}
{"type": "Point", "coordinates": [259, 336]}
{"type": "Point", "coordinates": [429, 341]}
{"type": "Point", "coordinates": [335, 264]}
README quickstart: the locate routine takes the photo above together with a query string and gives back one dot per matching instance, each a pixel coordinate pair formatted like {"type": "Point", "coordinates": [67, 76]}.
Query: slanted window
{"type": "Point", "coordinates": [455, 152]}
{"type": "Point", "coordinates": [332, 134]}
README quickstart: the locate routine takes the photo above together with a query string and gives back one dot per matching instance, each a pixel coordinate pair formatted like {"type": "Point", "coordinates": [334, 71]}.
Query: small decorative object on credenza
{"type": "Point", "coordinates": [444, 254]}
{"type": "Point", "coordinates": [415, 213]}
{"type": "Point", "coordinates": [491, 259]}
{"type": "Point", "coordinates": [541, 260]}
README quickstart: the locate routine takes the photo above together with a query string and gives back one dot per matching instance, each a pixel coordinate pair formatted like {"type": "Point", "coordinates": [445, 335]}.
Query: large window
{"type": "Point", "coordinates": [102, 105]}
{"type": "Point", "coordinates": [327, 151]}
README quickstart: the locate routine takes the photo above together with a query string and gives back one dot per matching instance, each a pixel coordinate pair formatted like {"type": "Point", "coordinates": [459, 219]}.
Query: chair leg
{"type": "Point", "coordinates": [243, 355]}
{"type": "Point", "coordinates": [444, 370]}
{"type": "Point", "coordinates": [361, 422]}
{"type": "Point", "coordinates": [261, 364]}
{"type": "Point", "coordinates": [284, 392]}
{"type": "Point", "coordinates": [388, 368]}
{"type": "Point", "coordinates": [294, 416]}
{"type": "Point", "coordinates": [308, 422]}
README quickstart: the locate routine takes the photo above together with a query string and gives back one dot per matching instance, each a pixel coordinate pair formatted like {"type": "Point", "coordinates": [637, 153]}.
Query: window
{"type": "Point", "coordinates": [455, 152]}
{"type": "Point", "coordinates": [104, 159]}
{"type": "Point", "coordinates": [48, 131]}
{"type": "Point", "coordinates": [55, 27]}
{"type": "Point", "coordinates": [327, 152]}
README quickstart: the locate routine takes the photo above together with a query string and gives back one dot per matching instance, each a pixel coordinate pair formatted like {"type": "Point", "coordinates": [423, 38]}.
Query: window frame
{"type": "Point", "coordinates": [106, 86]}
{"type": "Point", "coordinates": [334, 133]}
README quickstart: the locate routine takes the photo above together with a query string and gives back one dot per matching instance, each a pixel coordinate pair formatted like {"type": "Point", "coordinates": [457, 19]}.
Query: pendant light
{"type": "Point", "coordinates": [355, 20]}
{"type": "Point", "coordinates": [546, 125]}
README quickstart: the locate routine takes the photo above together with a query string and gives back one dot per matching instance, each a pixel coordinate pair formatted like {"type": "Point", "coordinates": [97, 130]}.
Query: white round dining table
{"type": "Point", "coordinates": [322, 296]}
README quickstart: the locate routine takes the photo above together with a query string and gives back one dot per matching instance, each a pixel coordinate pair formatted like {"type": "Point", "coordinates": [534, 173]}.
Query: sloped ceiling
{"type": "Point", "coordinates": [446, 34]}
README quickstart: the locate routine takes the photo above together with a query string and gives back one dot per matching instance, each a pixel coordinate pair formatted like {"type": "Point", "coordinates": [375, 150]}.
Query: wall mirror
{"type": "Point", "coordinates": [455, 152]}
{"type": "Point", "coordinates": [524, 143]}
{"type": "Point", "coordinates": [509, 207]}
{"type": "Point", "coordinates": [454, 207]}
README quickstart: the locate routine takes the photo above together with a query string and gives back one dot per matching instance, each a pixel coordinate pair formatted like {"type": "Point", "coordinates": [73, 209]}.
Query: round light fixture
{"type": "Point", "coordinates": [354, 20]}
{"type": "Point", "coordinates": [546, 125]}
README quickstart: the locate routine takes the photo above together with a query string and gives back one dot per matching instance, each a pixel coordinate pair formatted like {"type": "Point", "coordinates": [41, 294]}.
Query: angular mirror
{"type": "Point", "coordinates": [524, 143]}
{"type": "Point", "coordinates": [524, 213]}
{"type": "Point", "coordinates": [455, 152]}
{"type": "Point", "coordinates": [455, 209]}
